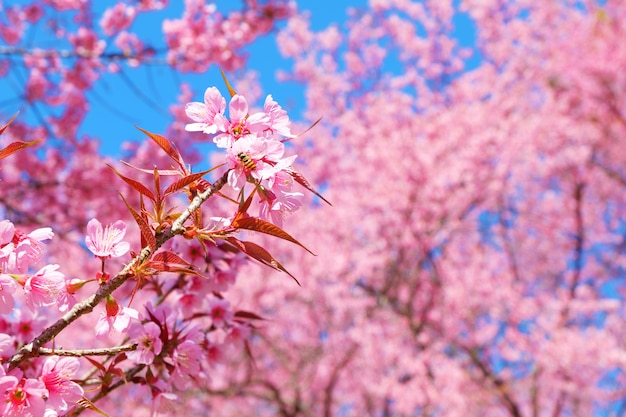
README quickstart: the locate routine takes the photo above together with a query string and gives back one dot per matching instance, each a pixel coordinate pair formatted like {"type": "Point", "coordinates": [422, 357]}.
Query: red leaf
{"type": "Point", "coordinates": [165, 267]}
{"type": "Point", "coordinates": [170, 258]}
{"type": "Point", "coordinates": [184, 181]}
{"type": "Point", "coordinates": [16, 146]}
{"type": "Point", "coordinates": [96, 363]}
{"type": "Point", "coordinates": [167, 146]}
{"type": "Point", "coordinates": [144, 228]}
{"type": "Point", "coordinates": [136, 185]}
{"type": "Point", "coordinates": [258, 225]}
{"type": "Point", "coordinates": [248, 315]}
{"type": "Point", "coordinates": [257, 252]}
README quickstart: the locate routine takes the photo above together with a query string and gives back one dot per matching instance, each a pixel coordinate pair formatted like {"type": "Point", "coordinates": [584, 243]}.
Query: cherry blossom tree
{"type": "Point", "coordinates": [471, 262]}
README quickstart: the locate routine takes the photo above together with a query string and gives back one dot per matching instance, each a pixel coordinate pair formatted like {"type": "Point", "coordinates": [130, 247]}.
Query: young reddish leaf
{"type": "Point", "coordinates": [165, 267]}
{"type": "Point", "coordinates": [231, 90]}
{"type": "Point", "coordinates": [85, 403]}
{"type": "Point", "coordinates": [256, 252]}
{"type": "Point", "coordinates": [303, 182]}
{"type": "Point", "coordinates": [170, 258]}
{"type": "Point", "coordinates": [243, 206]}
{"type": "Point", "coordinates": [96, 363]}
{"type": "Point", "coordinates": [167, 261]}
{"type": "Point", "coordinates": [248, 315]}
{"type": "Point", "coordinates": [136, 185]}
{"type": "Point", "coordinates": [167, 146]}
{"type": "Point", "coordinates": [258, 225]}
{"type": "Point", "coordinates": [16, 146]}
{"type": "Point", "coordinates": [163, 172]}
{"type": "Point", "coordinates": [157, 185]}
{"type": "Point", "coordinates": [184, 181]}
{"type": "Point", "coordinates": [144, 228]}
{"type": "Point", "coordinates": [3, 128]}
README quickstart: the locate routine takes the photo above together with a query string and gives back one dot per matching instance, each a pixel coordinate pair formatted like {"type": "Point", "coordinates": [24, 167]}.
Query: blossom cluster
{"type": "Point", "coordinates": [175, 345]}
{"type": "Point", "coordinates": [50, 394]}
{"type": "Point", "coordinates": [19, 251]}
{"type": "Point", "coordinates": [50, 390]}
{"type": "Point", "coordinates": [253, 153]}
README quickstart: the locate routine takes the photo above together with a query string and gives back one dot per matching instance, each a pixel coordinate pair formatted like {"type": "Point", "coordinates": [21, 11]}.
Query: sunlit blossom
{"type": "Point", "coordinates": [57, 374]}
{"type": "Point", "coordinates": [203, 114]}
{"type": "Point", "coordinates": [106, 242]}
{"type": "Point", "coordinates": [22, 397]}
{"type": "Point", "coordinates": [239, 123]}
{"type": "Point", "coordinates": [148, 341]}
{"type": "Point", "coordinates": [45, 287]}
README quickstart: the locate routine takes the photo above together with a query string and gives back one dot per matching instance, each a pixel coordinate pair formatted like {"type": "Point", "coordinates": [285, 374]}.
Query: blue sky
{"type": "Point", "coordinates": [116, 108]}
{"type": "Point", "coordinates": [142, 95]}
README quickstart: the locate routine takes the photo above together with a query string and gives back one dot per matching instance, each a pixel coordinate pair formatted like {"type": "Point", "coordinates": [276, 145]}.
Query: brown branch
{"type": "Point", "coordinates": [87, 352]}
{"type": "Point", "coordinates": [33, 348]}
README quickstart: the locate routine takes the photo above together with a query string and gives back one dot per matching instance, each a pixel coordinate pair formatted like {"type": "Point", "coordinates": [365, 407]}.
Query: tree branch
{"type": "Point", "coordinates": [33, 348]}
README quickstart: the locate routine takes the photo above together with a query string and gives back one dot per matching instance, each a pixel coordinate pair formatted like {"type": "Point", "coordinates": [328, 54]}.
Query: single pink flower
{"type": "Point", "coordinates": [22, 397]}
{"type": "Point", "coordinates": [149, 341]}
{"type": "Point", "coordinates": [18, 251]}
{"type": "Point", "coordinates": [240, 123]}
{"type": "Point", "coordinates": [279, 121]}
{"type": "Point", "coordinates": [45, 287]}
{"type": "Point", "coordinates": [204, 113]}
{"type": "Point", "coordinates": [57, 376]}
{"type": "Point", "coordinates": [186, 357]}
{"type": "Point", "coordinates": [220, 312]}
{"type": "Point", "coordinates": [238, 334]}
{"type": "Point", "coordinates": [106, 242]}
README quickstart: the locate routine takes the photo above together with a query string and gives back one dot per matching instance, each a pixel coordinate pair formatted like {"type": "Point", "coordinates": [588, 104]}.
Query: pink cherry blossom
{"type": "Point", "coordinates": [149, 342]}
{"type": "Point", "coordinates": [239, 123]}
{"type": "Point", "coordinates": [22, 397]}
{"type": "Point", "coordinates": [186, 360]}
{"type": "Point", "coordinates": [238, 334]}
{"type": "Point", "coordinates": [106, 242]}
{"type": "Point", "coordinates": [18, 251]}
{"type": "Point", "coordinates": [279, 120]}
{"type": "Point", "coordinates": [266, 154]}
{"type": "Point", "coordinates": [57, 374]}
{"type": "Point", "coordinates": [204, 114]}
{"type": "Point", "coordinates": [117, 18]}
{"type": "Point", "coordinates": [220, 312]}
{"type": "Point", "coordinates": [45, 287]}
